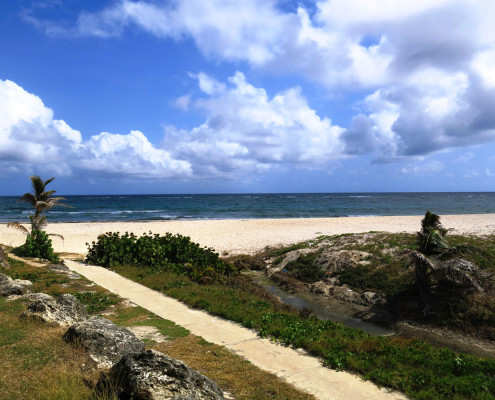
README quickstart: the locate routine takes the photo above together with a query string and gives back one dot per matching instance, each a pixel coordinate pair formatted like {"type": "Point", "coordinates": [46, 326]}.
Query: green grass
{"type": "Point", "coordinates": [97, 302]}
{"type": "Point", "coordinates": [37, 364]}
{"type": "Point", "coordinates": [415, 368]}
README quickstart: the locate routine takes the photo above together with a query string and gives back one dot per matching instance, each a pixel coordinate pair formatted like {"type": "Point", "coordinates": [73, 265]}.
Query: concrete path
{"type": "Point", "coordinates": [295, 366]}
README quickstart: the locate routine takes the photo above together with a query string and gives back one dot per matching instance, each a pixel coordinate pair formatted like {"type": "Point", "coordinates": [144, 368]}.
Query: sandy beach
{"type": "Point", "coordinates": [248, 236]}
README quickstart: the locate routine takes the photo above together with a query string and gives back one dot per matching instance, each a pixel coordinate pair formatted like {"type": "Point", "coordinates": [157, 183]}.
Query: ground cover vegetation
{"type": "Point", "coordinates": [413, 367]}
{"type": "Point", "coordinates": [38, 244]}
{"type": "Point", "coordinates": [37, 364]}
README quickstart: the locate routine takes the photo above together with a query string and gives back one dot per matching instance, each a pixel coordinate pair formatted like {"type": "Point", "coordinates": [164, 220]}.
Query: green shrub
{"type": "Point", "coordinates": [305, 268]}
{"type": "Point", "coordinates": [174, 253]}
{"type": "Point", "coordinates": [37, 245]}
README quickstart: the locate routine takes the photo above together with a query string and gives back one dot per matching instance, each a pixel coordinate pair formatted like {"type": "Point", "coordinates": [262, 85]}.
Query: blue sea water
{"type": "Point", "coordinates": [251, 206]}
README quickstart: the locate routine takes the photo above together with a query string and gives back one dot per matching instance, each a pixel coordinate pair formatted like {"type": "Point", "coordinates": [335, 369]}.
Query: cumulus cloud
{"type": "Point", "coordinates": [356, 42]}
{"type": "Point", "coordinates": [28, 132]}
{"type": "Point", "coordinates": [426, 67]}
{"type": "Point", "coordinates": [432, 110]}
{"type": "Point", "coordinates": [245, 131]}
{"type": "Point", "coordinates": [248, 130]}
{"type": "Point", "coordinates": [30, 138]}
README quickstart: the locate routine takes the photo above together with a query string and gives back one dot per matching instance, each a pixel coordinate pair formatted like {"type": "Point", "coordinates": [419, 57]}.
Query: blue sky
{"type": "Point", "coordinates": [218, 96]}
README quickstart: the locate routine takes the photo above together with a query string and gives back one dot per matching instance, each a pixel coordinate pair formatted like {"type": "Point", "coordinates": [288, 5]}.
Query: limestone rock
{"type": "Point", "coordinates": [319, 288]}
{"type": "Point", "coordinates": [30, 296]}
{"type": "Point", "coordinates": [16, 286]}
{"type": "Point", "coordinates": [332, 261]}
{"type": "Point", "coordinates": [105, 341]}
{"type": "Point", "coordinates": [152, 375]}
{"type": "Point", "coordinates": [288, 257]}
{"type": "Point", "coordinates": [3, 259]}
{"type": "Point", "coordinates": [372, 298]}
{"type": "Point", "coordinates": [65, 310]}
{"type": "Point", "coordinates": [4, 278]}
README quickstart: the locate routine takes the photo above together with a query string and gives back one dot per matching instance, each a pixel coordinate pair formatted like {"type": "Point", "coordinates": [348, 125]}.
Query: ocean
{"type": "Point", "coordinates": [251, 206]}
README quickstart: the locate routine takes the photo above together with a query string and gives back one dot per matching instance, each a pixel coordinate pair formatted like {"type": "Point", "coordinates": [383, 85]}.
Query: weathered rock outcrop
{"type": "Point", "coordinates": [65, 310]}
{"type": "Point", "coordinates": [3, 259]}
{"type": "Point", "coordinates": [105, 341]}
{"type": "Point", "coordinates": [152, 375]}
{"type": "Point", "coordinates": [332, 261]}
{"type": "Point", "coordinates": [9, 286]}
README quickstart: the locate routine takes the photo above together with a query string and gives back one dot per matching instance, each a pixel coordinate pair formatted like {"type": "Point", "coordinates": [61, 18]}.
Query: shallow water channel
{"type": "Point", "coordinates": [323, 313]}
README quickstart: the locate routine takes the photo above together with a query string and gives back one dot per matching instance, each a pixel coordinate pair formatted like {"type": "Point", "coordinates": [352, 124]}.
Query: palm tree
{"type": "Point", "coordinates": [41, 201]}
{"type": "Point", "coordinates": [431, 238]}
{"type": "Point", "coordinates": [436, 259]}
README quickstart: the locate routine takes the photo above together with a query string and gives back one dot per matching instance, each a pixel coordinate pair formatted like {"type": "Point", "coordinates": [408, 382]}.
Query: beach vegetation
{"type": "Point", "coordinates": [305, 268]}
{"type": "Point", "coordinates": [37, 245]}
{"type": "Point", "coordinates": [41, 200]}
{"type": "Point", "coordinates": [37, 242]}
{"type": "Point", "coordinates": [389, 269]}
{"type": "Point", "coordinates": [415, 368]}
{"type": "Point", "coordinates": [440, 271]}
{"type": "Point", "coordinates": [175, 253]}
{"type": "Point", "coordinates": [97, 301]}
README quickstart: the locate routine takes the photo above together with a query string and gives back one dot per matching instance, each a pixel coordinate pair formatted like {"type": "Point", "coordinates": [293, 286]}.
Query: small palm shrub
{"type": "Point", "coordinates": [37, 245]}
{"type": "Point", "coordinates": [174, 253]}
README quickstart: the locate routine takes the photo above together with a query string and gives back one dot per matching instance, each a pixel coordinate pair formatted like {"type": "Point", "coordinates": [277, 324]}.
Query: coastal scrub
{"type": "Point", "coordinates": [155, 253]}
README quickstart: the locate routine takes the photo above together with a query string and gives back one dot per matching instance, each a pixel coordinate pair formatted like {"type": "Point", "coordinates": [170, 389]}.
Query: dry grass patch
{"type": "Point", "coordinates": [231, 372]}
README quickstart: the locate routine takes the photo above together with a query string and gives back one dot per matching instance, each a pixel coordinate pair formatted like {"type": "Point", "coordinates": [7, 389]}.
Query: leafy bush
{"type": "Point", "coordinates": [174, 253]}
{"type": "Point", "coordinates": [38, 245]}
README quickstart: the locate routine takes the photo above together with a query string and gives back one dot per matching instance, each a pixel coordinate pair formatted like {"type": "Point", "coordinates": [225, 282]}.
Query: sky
{"type": "Point", "coordinates": [251, 96]}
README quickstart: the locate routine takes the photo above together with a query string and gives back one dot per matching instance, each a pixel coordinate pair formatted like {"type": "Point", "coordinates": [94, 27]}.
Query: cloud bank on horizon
{"type": "Point", "coordinates": [421, 76]}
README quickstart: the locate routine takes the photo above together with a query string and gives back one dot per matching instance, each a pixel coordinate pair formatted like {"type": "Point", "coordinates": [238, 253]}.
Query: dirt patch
{"type": "Point", "coordinates": [148, 333]}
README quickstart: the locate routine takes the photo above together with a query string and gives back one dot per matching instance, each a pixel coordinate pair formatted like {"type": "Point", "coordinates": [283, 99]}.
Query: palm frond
{"type": "Point", "coordinates": [57, 235]}
{"type": "Point", "coordinates": [28, 198]}
{"type": "Point", "coordinates": [38, 185]}
{"type": "Point", "coordinates": [430, 221]}
{"type": "Point", "coordinates": [18, 226]}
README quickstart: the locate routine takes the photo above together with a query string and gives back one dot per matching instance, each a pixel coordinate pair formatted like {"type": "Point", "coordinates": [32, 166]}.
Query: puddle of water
{"type": "Point", "coordinates": [321, 312]}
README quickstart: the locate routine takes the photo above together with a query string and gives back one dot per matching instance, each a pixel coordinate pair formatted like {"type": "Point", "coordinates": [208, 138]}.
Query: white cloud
{"type": "Point", "coordinates": [31, 138]}
{"type": "Point", "coordinates": [465, 157]}
{"type": "Point", "coordinates": [183, 102]}
{"type": "Point", "coordinates": [28, 132]}
{"type": "Point", "coordinates": [246, 130]}
{"type": "Point", "coordinates": [428, 168]}
{"type": "Point", "coordinates": [328, 47]}
{"type": "Point", "coordinates": [425, 70]}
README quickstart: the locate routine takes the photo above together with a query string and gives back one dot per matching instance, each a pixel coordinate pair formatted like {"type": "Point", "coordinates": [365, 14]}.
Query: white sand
{"type": "Point", "coordinates": [248, 236]}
